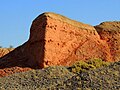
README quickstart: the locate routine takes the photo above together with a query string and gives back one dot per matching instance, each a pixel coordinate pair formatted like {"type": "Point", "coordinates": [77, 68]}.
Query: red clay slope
{"type": "Point", "coordinates": [57, 40]}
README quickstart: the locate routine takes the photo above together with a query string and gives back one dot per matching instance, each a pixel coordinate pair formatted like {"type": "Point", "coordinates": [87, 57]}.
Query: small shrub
{"type": "Point", "coordinates": [82, 66]}
{"type": "Point", "coordinates": [98, 63]}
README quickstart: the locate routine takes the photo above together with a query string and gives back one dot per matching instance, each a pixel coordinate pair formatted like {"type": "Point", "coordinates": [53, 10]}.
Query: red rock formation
{"type": "Point", "coordinates": [4, 51]}
{"type": "Point", "coordinates": [9, 71]}
{"type": "Point", "coordinates": [57, 40]}
{"type": "Point", "coordinates": [64, 41]}
{"type": "Point", "coordinates": [110, 32]}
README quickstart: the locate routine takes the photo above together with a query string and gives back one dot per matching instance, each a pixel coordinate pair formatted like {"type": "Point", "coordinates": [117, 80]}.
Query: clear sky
{"type": "Point", "coordinates": [16, 16]}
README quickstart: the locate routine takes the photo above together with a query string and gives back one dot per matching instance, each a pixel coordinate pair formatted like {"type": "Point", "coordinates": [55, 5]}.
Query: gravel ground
{"type": "Point", "coordinates": [59, 78]}
{"type": "Point", "coordinates": [107, 78]}
{"type": "Point", "coordinates": [36, 79]}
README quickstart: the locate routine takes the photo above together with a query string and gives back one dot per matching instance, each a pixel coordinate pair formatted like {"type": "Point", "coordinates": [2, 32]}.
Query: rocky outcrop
{"type": "Point", "coordinates": [12, 70]}
{"type": "Point", "coordinates": [4, 51]}
{"type": "Point", "coordinates": [57, 40]}
{"type": "Point", "coordinates": [110, 32]}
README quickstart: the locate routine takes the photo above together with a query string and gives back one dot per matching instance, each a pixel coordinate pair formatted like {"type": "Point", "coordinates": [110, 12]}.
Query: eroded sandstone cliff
{"type": "Point", "coordinates": [58, 40]}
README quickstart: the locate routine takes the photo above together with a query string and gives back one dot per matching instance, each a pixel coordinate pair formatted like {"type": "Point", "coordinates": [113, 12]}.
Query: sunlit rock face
{"type": "Point", "coordinates": [58, 40]}
{"type": "Point", "coordinates": [110, 32]}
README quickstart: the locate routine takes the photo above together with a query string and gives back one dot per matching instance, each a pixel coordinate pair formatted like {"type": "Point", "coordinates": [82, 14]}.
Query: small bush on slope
{"type": "Point", "coordinates": [82, 66]}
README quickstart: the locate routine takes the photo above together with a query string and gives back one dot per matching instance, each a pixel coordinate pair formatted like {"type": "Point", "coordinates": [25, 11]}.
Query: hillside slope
{"type": "Point", "coordinates": [58, 77]}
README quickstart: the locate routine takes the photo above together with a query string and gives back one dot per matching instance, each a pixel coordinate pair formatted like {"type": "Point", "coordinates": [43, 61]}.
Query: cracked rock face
{"type": "Point", "coordinates": [57, 40]}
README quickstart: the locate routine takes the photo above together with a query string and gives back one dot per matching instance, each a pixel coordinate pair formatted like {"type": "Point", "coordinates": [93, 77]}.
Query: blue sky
{"type": "Point", "coordinates": [16, 16]}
